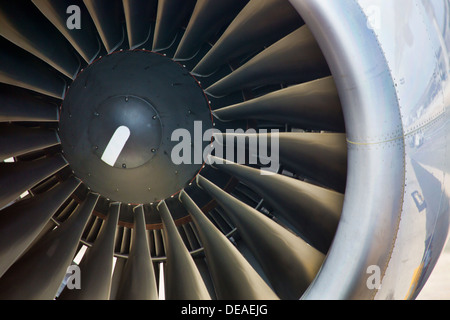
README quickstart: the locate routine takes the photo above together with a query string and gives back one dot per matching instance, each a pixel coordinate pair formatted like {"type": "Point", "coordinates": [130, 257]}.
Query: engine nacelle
{"type": "Point", "coordinates": [391, 66]}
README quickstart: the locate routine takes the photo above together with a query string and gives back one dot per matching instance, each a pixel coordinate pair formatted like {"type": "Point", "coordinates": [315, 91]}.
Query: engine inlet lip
{"type": "Point", "coordinates": [376, 153]}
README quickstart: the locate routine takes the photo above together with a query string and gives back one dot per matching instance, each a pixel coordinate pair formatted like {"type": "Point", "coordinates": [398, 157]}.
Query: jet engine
{"type": "Point", "coordinates": [222, 149]}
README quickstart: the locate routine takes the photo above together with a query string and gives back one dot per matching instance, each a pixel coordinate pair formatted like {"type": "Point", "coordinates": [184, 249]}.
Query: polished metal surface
{"type": "Point", "coordinates": [38, 273]}
{"type": "Point", "coordinates": [395, 108]}
{"type": "Point", "coordinates": [183, 281]}
{"type": "Point", "coordinates": [288, 261]}
{"type": "Point", "coordinates": [355, 94]}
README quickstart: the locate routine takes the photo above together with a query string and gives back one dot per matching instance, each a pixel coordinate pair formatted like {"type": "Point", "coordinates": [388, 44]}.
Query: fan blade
{"type": "Point", "coordinates": [115, 281]}
{"type": "Point", "coordinates": [312, 210]}
{"type": "Point", "coordinates": [18, 177]}
{"type": "Point", "coordinates": [138, 280]}
{"type": "Point", "coordinates": [138, 15]}
{"type": "Point", "coordinates": [106, 15]}
{"type": "Point", "coordinates": [97, 263]}
{"type": "Point", "coordinates": [170, 16]}
{"type": "Point", "coordinates": [272, 18]}
{"type": "Point", "coordinates": [19, 105]}
{"type": "Point", "coordinates": [295, 58]}
{"type": "Point", "coordinates": [313, 105]}
{"type": "Point", "coordinates": [321, 157]}
{"type": "Point", "coordinates": [206, 20]}
{"type": "Point", "coordinates": [38, 274]}
{"type": "Point", "coordinates": [289, 263]}
{"type": "Point", "coordinates": [183, 280]}
{"type": "Point", "coordinates": [234, 278]}
{"type": "Point", "coordinates": [20, 69]}
{"type": "Point", "coordinates": [16, 141]}
{"type": "Point", "coordinates": [83, 40]}
{"type": "Point", "coordinates": [26, 28]}
{"type": "Point", "coordinates": [22, 222]}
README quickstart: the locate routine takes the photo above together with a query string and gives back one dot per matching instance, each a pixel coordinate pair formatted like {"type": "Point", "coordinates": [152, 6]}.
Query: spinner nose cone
{"type": "Point", "coordinates": [117, 122]}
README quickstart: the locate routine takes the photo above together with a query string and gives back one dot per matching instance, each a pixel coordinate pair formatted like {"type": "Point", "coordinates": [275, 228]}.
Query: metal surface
{"type": "Point", "coordinates": [18, 177]}
{"type": "Point", "coordinates": [170, 17]}
{"type": "Point", "coordinates": [19, 105]}
{"type": "Point", "coordinates": [312, 210]}
{"type": "Point", "coordinates": [279, 63]}
{"type": "Point", "coordinates": [37, 37]}
{"type": "Point", "coordinates": [138, 280]}
{"type": "Point", "coordinates": [395, 115]}
{"type": "Point", "coordinates": [375, 129]}
{"type": "Point", "coordinates": [16, 141]}
{"type": "Point", "coordinates": [107, 16]}
{"type": "Point", "coordinates": [28, 219]}
{"type": "Point", "coordinates": [206, 20]}
{"type": "Point", "coordinates": [183, 281]}
{"type": "Point", "coordinates": [289, 263]}
{"type": "Point", "coordinates": [20, 70]}
{"type": "Point", "coordinates": [243, 36]}
{"type": "Point", "coordinates": [322, 157]}
{"type": "Point", "coordinates": [83, 40]}
{"type": "Point", "coordinates": [137, 17]}
{"type": "Point", "coordinates": [38, 273]}
{"type": "Point", "coordinates": [312, 105]}
{"type": "Point", "coordinates": [97, 263]}
{"type": "Point", "coordinates": [233, 276]}
{"type": "Point", "coordinates": [150, 96]}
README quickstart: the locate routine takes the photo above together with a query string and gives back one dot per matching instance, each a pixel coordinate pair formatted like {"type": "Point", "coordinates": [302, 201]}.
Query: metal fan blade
{"type": "Point", "coordinates": [18, 177]}
{"type": "Point", "coordinates": [21, 69]}
{"type": "Point", "coordinates": [138, 280]}
{"type": "Point", "coordinates": [107, 16]}
{"type": "Point", "coordinates": [234, 278]}
{"type": "Point", "coordinates": [96, 265]}
{"type": "Point", "coordinates": [138, 15]}
{"type": "Point", "coordinates": [83, 40]}
{"type": "Point", "coordinates": [289, 263]}
{"type": "Point", "coordinates": [295, 58]}
{"type": "Point", "coordinates": [16, 141]}
{"type": "Point", "coordinates": [272, 18]}
{"type": "Point", "coordinates": [38, 274]}
{"type": "Point", "coordinates": [206, 20]}
{"type": "Point", "coordinates": [170, 16]}
{"type": "Point", "coordinates": [18, 105]}
{"type": "Point", "coordinates": [26, 28]}
{"type": "Point", "coordinates": [183, 280]}
{"type": "Point", "coordinates": [321, 157]}
{"type": "Point", "coordinates": [22, 222]}
{"type": "Point", "coordinates": [314, 211]}
{"type": "Point", "coordinates": [312, 105]}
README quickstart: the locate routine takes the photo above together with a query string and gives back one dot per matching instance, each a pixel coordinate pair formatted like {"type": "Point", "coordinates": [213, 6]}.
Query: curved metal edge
{"type": "Point", "coordinates": [397, 147]}
{"type": "Point", "coordinates": [415, 26]}
{"type": "Point", "coordinates": [369, 223]}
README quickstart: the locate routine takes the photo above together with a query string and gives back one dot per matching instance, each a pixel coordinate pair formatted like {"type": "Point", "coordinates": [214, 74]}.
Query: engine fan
{"type": "Point", "coordinates": [91, 94]}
